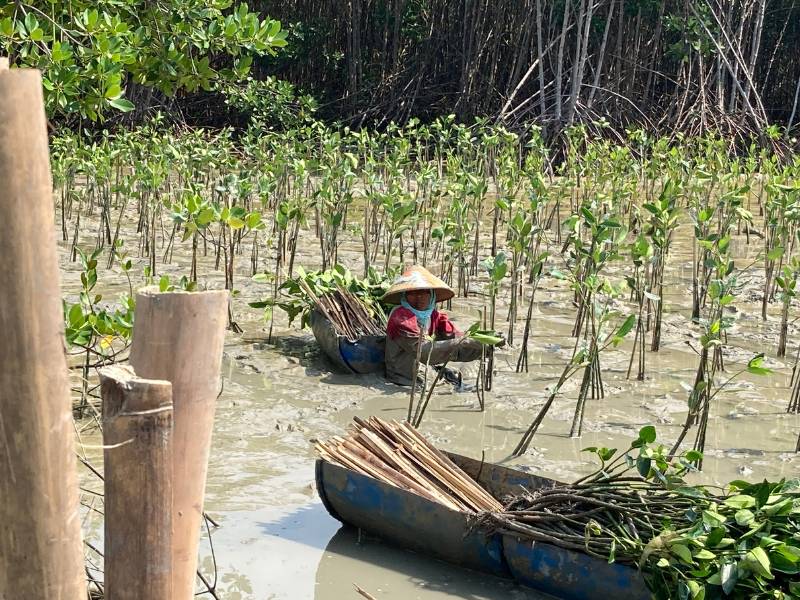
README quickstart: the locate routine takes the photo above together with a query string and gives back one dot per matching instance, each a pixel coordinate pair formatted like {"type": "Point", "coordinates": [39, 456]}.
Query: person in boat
{"type": "Point", "coordinates": [416, 292]}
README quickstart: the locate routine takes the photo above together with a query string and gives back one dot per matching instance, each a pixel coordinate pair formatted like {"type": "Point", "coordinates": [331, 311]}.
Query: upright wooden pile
{"type": "Point", "coordinates": [41, 554]}
{"type": "Point", "coordinates": [399, 455]}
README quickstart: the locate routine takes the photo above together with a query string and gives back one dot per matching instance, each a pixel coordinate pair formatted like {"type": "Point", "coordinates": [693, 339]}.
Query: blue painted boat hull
{"type": "Point", "coordinates": [570, 575]}
{"type": "Point", "coordinates": [407, 520]}
{"type": "Point", "coordinates": [364, 355]}
{"type": "Point", "coordinates": [412, 522]}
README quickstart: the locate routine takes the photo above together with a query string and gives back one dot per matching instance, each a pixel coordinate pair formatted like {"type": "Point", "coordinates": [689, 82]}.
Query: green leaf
{"type": "Point", "coordinates": [682, 552]}
{"type": "Point", "coordinates": [606, 454]}
{"type": "Point", "coordinates": [744, 517]}
{"type": "Point", "coordinates": [697, 591]}
{"type": "Point", "coordinates": [740, 501]}
{"type": "Point", "coordinates": [122, 104]}
{"type": "Point", "coordinates": [75, 316]}
{"type": "Point", "coordinates": [715, 536]}
{"type": "Point", "coordinates": [647, 434]}
{"type": "Point", "coordinates": [235, 223]}
{"type": "Point", "coordinates": [729, 575]}
{"type": "Point", "coordinates": [486, 338]}
{"type": "Point", "coordinates": [775, 253]}
{"type": "Point", "coordinates": [754, 366]}
{"type": "Point", "coordinates": [626, 327]}
{"type": "Point", "coordinates": [713, 519]}
{"type": "Point", "coordinates": [757, 561]}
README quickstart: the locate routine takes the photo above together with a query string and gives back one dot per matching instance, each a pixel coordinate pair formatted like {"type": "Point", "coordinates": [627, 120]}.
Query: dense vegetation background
{"type": "Point", "coordinates": [679, 65]}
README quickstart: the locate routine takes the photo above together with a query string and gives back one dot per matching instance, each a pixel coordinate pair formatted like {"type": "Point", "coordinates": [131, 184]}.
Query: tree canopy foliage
{"type": "Point", "coordinates": [90, 52]}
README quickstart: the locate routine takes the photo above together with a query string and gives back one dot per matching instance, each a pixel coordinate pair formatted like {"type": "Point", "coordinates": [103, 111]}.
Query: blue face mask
{"type": "Point", "coordinates": [423, 316]}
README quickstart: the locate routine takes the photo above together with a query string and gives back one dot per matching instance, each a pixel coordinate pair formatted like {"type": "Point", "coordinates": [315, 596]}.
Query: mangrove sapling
{"type": "Point", "coordinates": [664, 215]}
{"type": "Point", "coordinates": [99, 334]}
{"type": "Point", "coordinates": [587, 260]}
{"type": "Point", "coordinates": [476, 333]}
{"type": "Point", "coordinates": [642, 257]}
{"type": "Point", "coordinates": [713, 326]}
{"type": "Point", "coordinates": [787, 284]}
{"type": "Point", "coordinates": [536, 259]}
{"type": "Point", "coordinates": [600, 318]}
{"type": "Point", "coordinates": [576, 363]}
{"type": "Point", "coordinates": [537, 268]}
{"type": "Point", "coordinates": [398, 207]}
{"type": "Point", "coordinates": [611, 513]}
{"type": "Point", "coordinates": [779, 207]}
{"type": "Point", "coordinates": [508, 177]}
{"type": "Point", "coordinates": [699, 193]}
{"type": "Point", "coordinates": [595, 294]}
{"type": "Point", "coordinates": [520, 230]}
{"type": "Point", "coordinates": [496, 268]}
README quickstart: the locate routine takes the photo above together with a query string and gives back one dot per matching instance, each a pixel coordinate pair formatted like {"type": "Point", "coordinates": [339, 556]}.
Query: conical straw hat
{"type": "Point", "coordinates": [417, 278]}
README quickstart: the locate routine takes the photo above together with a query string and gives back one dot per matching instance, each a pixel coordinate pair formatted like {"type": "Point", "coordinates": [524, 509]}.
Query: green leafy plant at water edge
{"type": "Point", "coordinates": [97, 333]}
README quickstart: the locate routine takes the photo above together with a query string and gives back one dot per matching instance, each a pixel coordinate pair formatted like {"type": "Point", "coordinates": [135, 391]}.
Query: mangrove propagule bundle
{"type": "Point", "coordinates": [397, 454]}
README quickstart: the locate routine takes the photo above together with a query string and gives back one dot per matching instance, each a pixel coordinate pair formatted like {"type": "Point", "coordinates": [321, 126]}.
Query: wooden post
{"type": "Point", "coordinates": [137, 435]}
{"type": "Point", "coordinates": [41, 553]}
{"type": "Point", "coordinates": [178, 337]}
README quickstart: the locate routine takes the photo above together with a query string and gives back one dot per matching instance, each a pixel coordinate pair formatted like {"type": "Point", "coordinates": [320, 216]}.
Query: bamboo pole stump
{"type": "Point", "coordinates": [178, 337]}
{"type": "Point", "coordinates": [41, 553]}
{"type": "Point", "coordinates": [137, 460]}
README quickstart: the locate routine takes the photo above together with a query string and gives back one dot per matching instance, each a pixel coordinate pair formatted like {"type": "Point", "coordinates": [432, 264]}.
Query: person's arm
{"type": "Point", "coordinates": [443, 327]}
{"type": "Point", "coordinates": [441, 351]}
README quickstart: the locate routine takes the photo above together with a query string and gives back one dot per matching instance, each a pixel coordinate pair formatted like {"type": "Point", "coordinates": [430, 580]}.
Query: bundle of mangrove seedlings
{"type": "Point", "coordinates": [397, 454]}
{"type": "Point", "coordinates": [689, 542]}
{"type": "Point", "coordinates": [351, 304]}
{"type": "Point", "coordinates": [348, 314]}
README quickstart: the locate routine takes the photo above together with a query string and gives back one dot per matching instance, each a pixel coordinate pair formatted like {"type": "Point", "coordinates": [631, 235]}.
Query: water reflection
{"type": "Point", "coordinates": [384, 571]}
{"type": "Point", "coordinates": [301, 553]}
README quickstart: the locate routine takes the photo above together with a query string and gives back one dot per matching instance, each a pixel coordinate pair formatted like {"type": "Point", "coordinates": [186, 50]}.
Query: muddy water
{"type": "Point", "coordinates": [276, 541]}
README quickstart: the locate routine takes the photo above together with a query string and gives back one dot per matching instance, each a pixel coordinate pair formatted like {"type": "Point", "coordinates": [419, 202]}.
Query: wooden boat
{"type": "Point", "coordinates": [410, 521]}
{"type": "Point", "coordinates": [364, 355]}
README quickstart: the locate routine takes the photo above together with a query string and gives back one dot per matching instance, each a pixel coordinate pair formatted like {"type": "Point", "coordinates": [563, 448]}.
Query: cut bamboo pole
{"type": "Point", "coordinates": [178, 337]}
{"type": "Point", "coordinates": [137, 435]}
{"type": "Point", "coordinates": [41, 553]}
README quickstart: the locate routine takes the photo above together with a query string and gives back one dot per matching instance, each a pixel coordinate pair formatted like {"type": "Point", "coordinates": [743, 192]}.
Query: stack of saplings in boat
{"type": "Point", "coordinates": [399, 455]}
{"type": "Point", "coordinates": [348, 313]}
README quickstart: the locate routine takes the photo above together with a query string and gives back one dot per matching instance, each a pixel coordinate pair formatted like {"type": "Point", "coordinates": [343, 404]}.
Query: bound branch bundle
{"type": "Point", "coordinates": [613, 519]}
{"type": "Point", "coordinates": [348, 313]}
{"type": "Point", "coordinates": [397, 454]}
